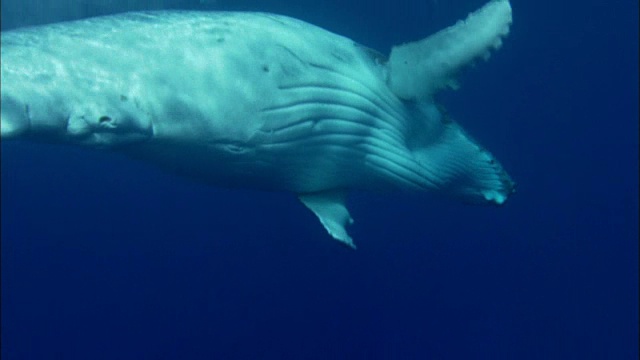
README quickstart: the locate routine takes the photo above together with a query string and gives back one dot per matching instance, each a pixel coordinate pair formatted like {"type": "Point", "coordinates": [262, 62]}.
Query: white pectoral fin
{"type": "Point", "coordinates": [419, 69]}
{"type": "Point", "coordinates": [329, 207]}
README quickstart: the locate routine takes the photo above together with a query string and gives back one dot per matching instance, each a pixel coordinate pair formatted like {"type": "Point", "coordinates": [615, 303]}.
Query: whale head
{"type": "Point", "coordinates": [45, 101]}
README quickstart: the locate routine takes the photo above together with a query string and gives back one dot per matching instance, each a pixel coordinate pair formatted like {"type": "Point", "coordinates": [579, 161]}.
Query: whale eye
{"type": "Point", "coordinates": [104, 119]}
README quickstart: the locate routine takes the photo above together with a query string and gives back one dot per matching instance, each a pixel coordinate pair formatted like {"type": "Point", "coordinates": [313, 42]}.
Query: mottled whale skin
{"type": "Point", "coordinates": [257, 100]}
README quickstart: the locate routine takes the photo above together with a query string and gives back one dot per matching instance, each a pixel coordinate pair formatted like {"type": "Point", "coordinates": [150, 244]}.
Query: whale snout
{"type": "Point", "coordinates": [15, 118]}
{"type": "Point", "coordinates": [51, 120]}
{"type": "Point", "coordinates": [25, 115]}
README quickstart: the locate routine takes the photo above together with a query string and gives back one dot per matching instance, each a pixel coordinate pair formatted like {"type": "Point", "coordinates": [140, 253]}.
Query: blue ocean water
{"type": "Point", "coordinates": [106, 258]}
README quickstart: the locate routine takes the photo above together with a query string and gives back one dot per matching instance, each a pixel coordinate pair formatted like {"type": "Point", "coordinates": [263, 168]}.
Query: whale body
{"type": "Point", "coordinates": [259, 101]}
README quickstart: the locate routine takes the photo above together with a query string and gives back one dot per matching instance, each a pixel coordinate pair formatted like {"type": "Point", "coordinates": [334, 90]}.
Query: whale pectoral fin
{"type": "Point", "coordinates": [329, 207]}
{"type": "Point", "coordinates": [419, 69]}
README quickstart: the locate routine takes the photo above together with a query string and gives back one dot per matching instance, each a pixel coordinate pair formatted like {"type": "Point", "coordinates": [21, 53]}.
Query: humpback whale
{"type": "Point", "coordinates": [258, 100]}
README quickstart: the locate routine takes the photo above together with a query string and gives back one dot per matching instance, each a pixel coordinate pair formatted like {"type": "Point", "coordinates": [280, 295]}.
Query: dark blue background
{"type": "Point", "coordinates": [106, 258]}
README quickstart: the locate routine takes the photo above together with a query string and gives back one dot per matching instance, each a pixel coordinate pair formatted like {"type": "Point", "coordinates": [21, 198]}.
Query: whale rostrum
{"type": "Point", "coordinates": [259, 101]}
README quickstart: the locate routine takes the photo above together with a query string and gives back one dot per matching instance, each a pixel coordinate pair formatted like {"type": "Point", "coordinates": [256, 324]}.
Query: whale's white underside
{"type": "Point", "coordinates": [257, 100]}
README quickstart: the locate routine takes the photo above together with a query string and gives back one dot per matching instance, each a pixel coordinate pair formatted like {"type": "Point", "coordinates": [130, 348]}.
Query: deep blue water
{"type": "Point", "coordinates": [106, 258]}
